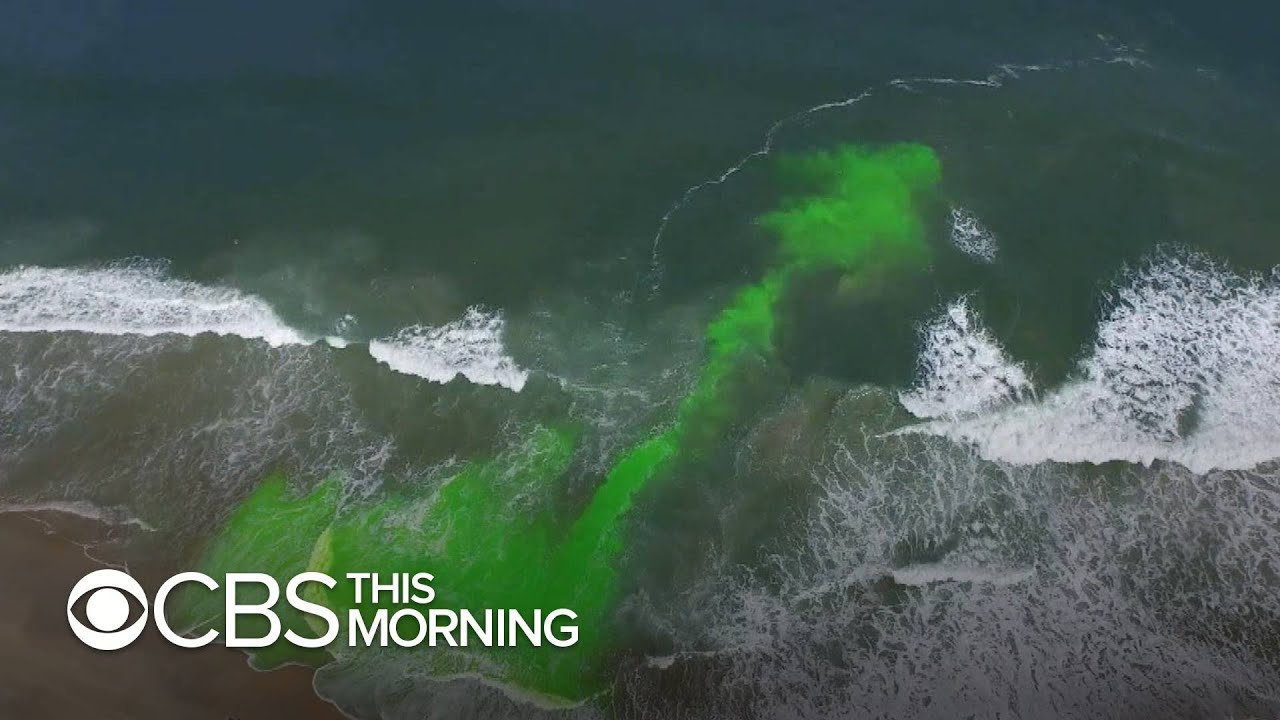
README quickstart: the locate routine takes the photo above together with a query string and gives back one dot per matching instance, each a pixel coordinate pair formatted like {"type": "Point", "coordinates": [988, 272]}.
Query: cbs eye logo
{"type": "Point", "coordinates": [106, 609]}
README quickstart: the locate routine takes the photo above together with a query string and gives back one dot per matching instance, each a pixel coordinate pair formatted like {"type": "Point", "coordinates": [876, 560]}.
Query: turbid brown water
{"type": "Point", "coordinates": [48, 675]}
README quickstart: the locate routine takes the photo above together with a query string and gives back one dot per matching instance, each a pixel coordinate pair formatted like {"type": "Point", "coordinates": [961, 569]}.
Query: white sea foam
{"type": "Point", "coordinates": [470, 346]}
{"type": "Point", "coordinates": [962, 369]}
{"type": "Point", "coordinates": [142, 299]}
{"type": "Point", "coordinates": [132, 300]}
{"type": "Point", "coordinates": [104, 406]}
{"type": "Point", "coordinates": [1005, 579]}
{"type": "Point", "coordinates": [953, 573]}
{"type": "Point", "coordinates": [971, 237]}
{"type": "Point", "coordinates": [1186, 367]}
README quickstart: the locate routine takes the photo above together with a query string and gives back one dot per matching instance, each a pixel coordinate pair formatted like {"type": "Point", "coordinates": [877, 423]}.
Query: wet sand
{"type": "Point", "coordinates": [45, 673]}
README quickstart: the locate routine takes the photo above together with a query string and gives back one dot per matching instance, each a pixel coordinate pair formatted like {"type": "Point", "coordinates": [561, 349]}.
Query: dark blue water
{"type": "Point", "coordinates": [474, 139]}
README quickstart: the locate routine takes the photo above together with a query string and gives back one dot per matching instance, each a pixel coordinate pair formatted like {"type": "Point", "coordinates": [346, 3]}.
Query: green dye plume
{"type": "Point", "coordinates": [857, 214]}
{"type": "Point", "coordinates": [489, 536]}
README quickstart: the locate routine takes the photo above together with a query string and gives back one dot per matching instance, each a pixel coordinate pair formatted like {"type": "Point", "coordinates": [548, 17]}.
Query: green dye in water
{"type": "Point", "coordinates": [488, 536]}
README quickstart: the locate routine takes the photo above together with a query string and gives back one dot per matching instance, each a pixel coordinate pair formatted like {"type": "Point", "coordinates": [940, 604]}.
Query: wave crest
{"type": "Point", "coordinates": [470, 346]}
{"type": "Point", "coordinates": [132, 300]}
{"type": "Point", "coordinates": [1185, 368]}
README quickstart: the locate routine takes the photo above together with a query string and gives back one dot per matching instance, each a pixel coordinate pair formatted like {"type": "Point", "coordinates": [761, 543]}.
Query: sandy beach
{"type": "Point", "coordinates": [48, 674]}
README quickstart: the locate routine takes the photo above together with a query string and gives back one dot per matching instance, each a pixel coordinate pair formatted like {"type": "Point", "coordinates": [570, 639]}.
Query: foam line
{"type": "Point", "coordinates": [84, 510]}
{"type": "Point", "coordinates": [1121, 54]}
{"type": "Point", "coordinates": [920, 575]}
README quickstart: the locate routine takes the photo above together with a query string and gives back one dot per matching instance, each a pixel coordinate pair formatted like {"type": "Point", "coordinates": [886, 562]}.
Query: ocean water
{"type": "Point", "coordinates": [996, 434]}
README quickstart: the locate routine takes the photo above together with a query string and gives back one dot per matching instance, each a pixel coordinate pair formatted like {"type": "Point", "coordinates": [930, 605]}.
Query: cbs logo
{"type": "Point", "coordinates": [106, 609]}
{"type": "Point", "coordinates": [106, 597]}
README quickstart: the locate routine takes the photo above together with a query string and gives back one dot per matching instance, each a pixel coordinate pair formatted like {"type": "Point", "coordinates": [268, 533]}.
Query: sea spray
{"type": "Point", "coordinates": [489, 534]}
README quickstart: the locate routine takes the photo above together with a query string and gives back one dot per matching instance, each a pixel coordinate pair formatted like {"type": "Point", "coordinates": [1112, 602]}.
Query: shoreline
{"type": "Point", "coordinates": [49, 674]}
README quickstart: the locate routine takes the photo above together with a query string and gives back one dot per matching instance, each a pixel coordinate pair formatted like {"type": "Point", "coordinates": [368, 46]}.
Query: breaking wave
{"type": "Point", "coordinates": [470, 346]}
{"type": "Point", "coordinates": [132, 300]}
{"type": "Point", "coordinates": [1185, 368]}
{"type": "Point", "coordinates": [142, 299]}
{"type": "Point", "coordinates": [962, 369]}
{"type": "Point", "coordinates": [928, 562]}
